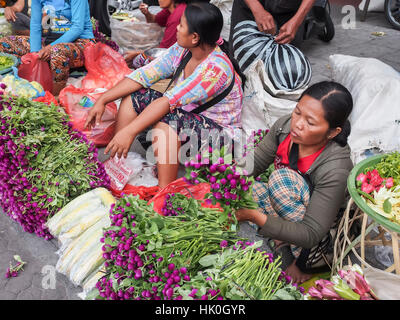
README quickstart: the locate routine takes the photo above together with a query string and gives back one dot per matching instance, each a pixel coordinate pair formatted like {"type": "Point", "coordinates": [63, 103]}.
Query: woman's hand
{"type": "Point", "coordinates": [94, 116]}
{"type": "Point", "coordinates": [144, 8]}
{"type": "Point", "coordinates": [44, 53]}
{"type": "Point", "coordinates": [287, 32]}
{"type": "Point", "coordinates": [130, 55]}
{"type": "Point", "coordinates": [252, 215]}
{"type": "Point", "coordinates": [121, 143]}
{"type": "Point", "coordinates": [9, 14]}
{"type": "Point", "coordinates": [265, 22]}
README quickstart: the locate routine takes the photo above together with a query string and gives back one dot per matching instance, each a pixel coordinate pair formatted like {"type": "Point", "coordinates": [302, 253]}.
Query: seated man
{"type": "Point", "coordinates": [16, 13]}
{"type": "Point", "coordinates": [282, 18]}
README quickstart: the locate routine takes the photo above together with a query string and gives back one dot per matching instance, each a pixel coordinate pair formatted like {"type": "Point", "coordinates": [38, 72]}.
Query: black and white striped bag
{"type": "Point", "coordinates": [287, 67]}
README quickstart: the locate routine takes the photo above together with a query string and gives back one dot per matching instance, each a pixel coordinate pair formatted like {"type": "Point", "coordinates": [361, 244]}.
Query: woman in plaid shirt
{"type": "Point", "coordinates": [300, 203]}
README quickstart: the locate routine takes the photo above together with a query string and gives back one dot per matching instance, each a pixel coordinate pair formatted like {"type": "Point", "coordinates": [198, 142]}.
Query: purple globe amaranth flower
{"type": "Point", "coordinates": [183, 270]}
{"type": "Point", "coordinates": [213, 168]}
{"type": "Point", "coordinates": [223, 244]}
{"type": "Point", "coordinates": [222, 168]}
{"type": "Point", "coordinates": [193, 174]}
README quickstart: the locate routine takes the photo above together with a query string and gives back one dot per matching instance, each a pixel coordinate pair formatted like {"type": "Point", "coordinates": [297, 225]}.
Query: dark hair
{"type": "Point", "coordinates": [337, 103]}
{"type": "Point", "coordinates": [207, 21]}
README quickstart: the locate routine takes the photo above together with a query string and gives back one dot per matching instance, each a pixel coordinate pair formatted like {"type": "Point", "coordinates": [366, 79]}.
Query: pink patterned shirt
{"type": "Point", "coordinates": [209, 79]}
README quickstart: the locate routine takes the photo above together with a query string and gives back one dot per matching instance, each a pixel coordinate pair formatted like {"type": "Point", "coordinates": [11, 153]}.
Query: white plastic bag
{"type": "Point", "coordinates": [90, 282]}
{"type": "Point", "coordinates": [226, 9]}
{"type": "Point", "coordinates": [133, 170]}
{"type": "Point", "coordinates": [80, 257]}
{"type": "Point", "coordinates": [136, 35]}
{"type": "Point", "coordinates": [262, 103]}
{"type": "Point", "coordinates": [375, 87]}
{"type": "Point", "coordinates": [385, 285]}
{"type": "Point", "coordinates": [5, 27]}
{"type": "Point", "coordinates": [80, 214]}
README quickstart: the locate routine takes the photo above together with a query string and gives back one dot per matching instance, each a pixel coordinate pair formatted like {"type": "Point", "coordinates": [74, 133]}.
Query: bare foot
{"type": "Point", "coordinates": [296, 274]}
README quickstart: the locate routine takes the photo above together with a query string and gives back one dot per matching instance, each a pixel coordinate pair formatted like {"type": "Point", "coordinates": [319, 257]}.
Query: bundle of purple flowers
{"type": "Point", "coordinates": [44, 163]}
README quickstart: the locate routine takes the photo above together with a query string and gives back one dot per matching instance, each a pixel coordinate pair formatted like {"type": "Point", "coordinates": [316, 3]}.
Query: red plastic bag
{"type": "Point", "coordinates": [105, 67]}
{"type": "Point", "coordinates": [48, 99]}
{"type": "Point", "coordinates": [101, 134]}
{"type": "Point", "coordinates": [34, 69]}
{"type": "Point", "coordinates": [144, 193]}
{"type": "Point", "coordinates": [197, 191]}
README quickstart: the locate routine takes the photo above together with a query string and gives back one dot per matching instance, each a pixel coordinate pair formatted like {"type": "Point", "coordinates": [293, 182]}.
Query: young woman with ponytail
{"type": "Point", "coordinates": [205, 94]}
{"type": "Point", "coordinates": [299, 206]}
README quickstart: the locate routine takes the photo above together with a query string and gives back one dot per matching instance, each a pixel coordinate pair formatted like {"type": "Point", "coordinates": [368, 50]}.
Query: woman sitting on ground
{"type": "Point", "coordinates": [169, 17]}
{"type": "Point", "coordinates": [70, 31]}
{"type": "Point", "coordinates": [300, 203]}
{"type": "Point", "coordinates": [175, 115]}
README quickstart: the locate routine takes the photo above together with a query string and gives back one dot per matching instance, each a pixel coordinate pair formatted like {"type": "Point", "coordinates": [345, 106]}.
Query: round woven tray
{"type": "Point", "coordinates": [360, 202]}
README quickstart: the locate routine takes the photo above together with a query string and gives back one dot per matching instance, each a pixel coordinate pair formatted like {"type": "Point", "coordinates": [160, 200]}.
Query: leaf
{"type": "Point", "coordinates": [159, 244]}
{"type": "Point", "coordinates": [209, 260]}
{"type": "Point", "coordinates": [257, 293]}
{"type": "Point", "coordinates": [18, 259]}
{"type": "Point", "coordinates": [387, 206]}
{"type": "Point", "coordinates": [153, 228]}
{"type": "Point", "coordinates": [110, 242]}
{"type": "Point", "coordinates": [93, 294]}
{"type": "Point", "coordinates": [282, 294]}
{"type": "Point", "coordinates": [222, 218]}
{"type": "Point", "coordinates": [160, 222]}
{"type": "Point", "coordinates": [126, 282]}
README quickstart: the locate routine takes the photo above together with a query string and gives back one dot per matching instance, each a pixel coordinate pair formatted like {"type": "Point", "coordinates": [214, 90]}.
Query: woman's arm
{"type": "Point", "coordinates": [18, 6]}
{"type": "Point", "coordinates": [144, 8]}
{"type": "Point", "coordinates": [265, 21]}
{"type": "Point", "coordinates": [158, 69]}
{"type": "Point", "coordinates": [123, 88]}
{"type": "Point", "coordinates": [122, 141]}
{"type": "Point", "coordinates": [36, 26]}
{"type": "Point", "coordinates": [326, 200]}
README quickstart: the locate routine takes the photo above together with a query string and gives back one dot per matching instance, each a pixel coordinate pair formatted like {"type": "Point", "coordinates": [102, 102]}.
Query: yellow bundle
{"type": "Point", "coordinates": [83, 255]}
{"type": "Point", "coordinates": [80, 214]}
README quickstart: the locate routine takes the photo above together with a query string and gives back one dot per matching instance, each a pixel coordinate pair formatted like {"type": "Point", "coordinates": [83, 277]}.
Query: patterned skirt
{"type": "Point", "coordinates": [195, 129]}
{"type": "Point", "coordinates": [63, 56]}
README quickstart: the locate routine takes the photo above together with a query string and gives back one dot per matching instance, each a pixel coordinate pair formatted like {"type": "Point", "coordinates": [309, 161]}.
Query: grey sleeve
{"type": "Point", "coordinates": [325, 202]}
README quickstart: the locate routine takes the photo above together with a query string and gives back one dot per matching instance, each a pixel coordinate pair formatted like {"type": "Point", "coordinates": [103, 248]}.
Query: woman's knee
{"type": "Point", "coordinates": [288, 194]}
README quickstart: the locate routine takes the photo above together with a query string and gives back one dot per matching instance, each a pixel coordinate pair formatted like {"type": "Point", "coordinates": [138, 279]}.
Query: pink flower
{"type": "Point", "coordinates": [326, 288]}
{"type": "Point", "coordinates": [367, 188]}
{"type": "Point", "coordinates": [223, 244]}
{"type": "Point", "coordinates": [355, 281]}
{"type": "Point", "coordinates": [389, 183]}
{"type": "Point", "coordinates": [315, 293]}
{"type": "Point", "coordinates": [376, 180]}
{"type": "Point", "coordinates": [362, 177]}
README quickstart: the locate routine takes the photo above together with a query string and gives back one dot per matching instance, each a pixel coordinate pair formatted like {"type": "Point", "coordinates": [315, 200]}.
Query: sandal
{"type": "Point", "coordinates": [283, 250]}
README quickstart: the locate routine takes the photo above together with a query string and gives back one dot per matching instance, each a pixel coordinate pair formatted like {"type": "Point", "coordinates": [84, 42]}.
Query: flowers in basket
{"type": "Point", "coordinates": [379, 186]}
